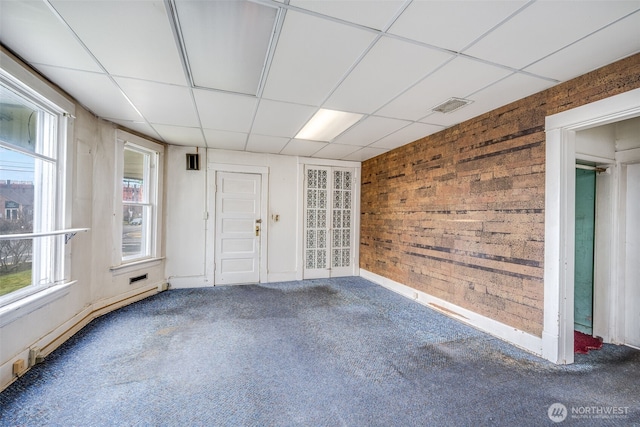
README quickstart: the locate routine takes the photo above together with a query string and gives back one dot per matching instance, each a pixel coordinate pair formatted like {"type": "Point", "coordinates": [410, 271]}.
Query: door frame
{"type": "Point", "coordinates": [585, 189]}
{"type": "Point", "coordinates": [210, 229]}
{"type": "Point", "coordinates": [561, 128]}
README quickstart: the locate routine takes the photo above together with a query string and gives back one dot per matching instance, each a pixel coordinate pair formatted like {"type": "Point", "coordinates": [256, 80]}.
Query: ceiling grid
{"type": "Point", "coordinates": [392, 62]}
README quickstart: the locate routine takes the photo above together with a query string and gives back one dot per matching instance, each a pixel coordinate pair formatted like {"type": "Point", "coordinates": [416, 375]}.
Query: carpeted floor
{"type": "Point", "coordinates": [338, 352]}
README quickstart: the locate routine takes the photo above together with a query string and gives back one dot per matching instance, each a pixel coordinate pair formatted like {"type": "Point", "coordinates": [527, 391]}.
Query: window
{"type": "Point", "coordinates": [137, 189]}
{"type": "Point", "coordinates": [32, 136]}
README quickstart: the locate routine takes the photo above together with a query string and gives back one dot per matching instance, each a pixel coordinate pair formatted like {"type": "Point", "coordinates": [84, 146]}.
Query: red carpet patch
{"type": "Point", "coordinates": [582, 343]}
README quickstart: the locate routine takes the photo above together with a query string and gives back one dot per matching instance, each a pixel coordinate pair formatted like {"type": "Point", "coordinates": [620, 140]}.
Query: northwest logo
{"type": "Point", "coordinates": [557, 412]}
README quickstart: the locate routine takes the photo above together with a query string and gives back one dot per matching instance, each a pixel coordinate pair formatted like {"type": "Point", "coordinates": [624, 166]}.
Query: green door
{"type": "Point", "coordinates": [585, 228]}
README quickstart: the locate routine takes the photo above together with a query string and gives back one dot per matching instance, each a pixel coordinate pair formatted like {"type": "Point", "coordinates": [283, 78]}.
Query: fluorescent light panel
{"type": "Point", "coordinates": [325, 125]}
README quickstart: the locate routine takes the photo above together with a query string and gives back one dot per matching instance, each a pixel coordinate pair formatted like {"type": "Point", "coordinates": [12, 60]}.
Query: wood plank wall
{"type": "Point", "coordinates": [460, 214]}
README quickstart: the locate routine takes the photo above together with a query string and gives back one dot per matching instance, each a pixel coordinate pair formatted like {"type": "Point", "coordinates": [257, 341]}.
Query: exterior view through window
{"type": "Point", "coordinates": [136, 203]}
{"type": "Point", "coordinates": [29, 194]}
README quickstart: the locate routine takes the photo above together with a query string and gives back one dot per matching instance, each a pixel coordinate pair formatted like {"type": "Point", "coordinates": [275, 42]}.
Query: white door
{"type": "Point", "coordinates": [238, 228]}
{"type": "Point", "coordinates": [328, 238]}
{"type": "Point", "coordinates": [632, 252]}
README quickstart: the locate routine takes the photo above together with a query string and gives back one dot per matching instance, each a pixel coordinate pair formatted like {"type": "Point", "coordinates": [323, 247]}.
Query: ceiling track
{"type": "Point", "coordinates": [273, 43]}
{"type": "Point", "coordinates": [174, 22]}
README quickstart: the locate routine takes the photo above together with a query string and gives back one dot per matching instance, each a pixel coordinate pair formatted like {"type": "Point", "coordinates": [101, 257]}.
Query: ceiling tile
{"type": "Point", "coordinates": [458, 78]}
{"type": "Point", "coordinates": [311, 58]}
{"type": "Point", "coordinates": [512, 88]}
{"type": "Point", "coordinates": [226, 42]}
{"type": "Point", "coordinates": [180, 135]}
{"type": "Point", "coordinates": [604, 47]}
{"type": "Point", "coordinates": [143, 46]}
{"type": "Point", "coordinates": [452, 24]}
{"type": "Point", "coordinates": [406, 135]}
{"type": "Point", "coordinates": [545, 27]}
{"type": "Point", "coordinates": [370, 13]}
{"type": "Point", "coordinates": [335, 151]}
{"type": "Point", "coordinates": [331, 54]}
{"type": "Point", "coordinates": [33, 31]}
{"type": "Point", "coordinates": [370, 130]}
{"type": "Point", "coordinates": [225, 111]}
{"type": "Point", "coordinates": [161, 103]}
{"type": "Point", "coordinates": [95, 91]}
{"type": "Point", "coordinates": [365, 154]}
{"type": "Point", "coordinates": [388, 69]}
{"type": "Point", "coordinates": [266, 144]}
{"type": "Point", "coordinates": [299, 147]}
{"type": "Point", "coordinates": [280, 118]}
{"type": "Point", "coordinates": [225, 140]}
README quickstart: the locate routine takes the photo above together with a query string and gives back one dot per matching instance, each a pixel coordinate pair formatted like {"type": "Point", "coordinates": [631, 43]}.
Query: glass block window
{"type": "Point", "coordinates": [341, 213]}
{"type": "Point", "coordinates": [328, 218]}
{"type": "Point", "coordinates": [316, 218]}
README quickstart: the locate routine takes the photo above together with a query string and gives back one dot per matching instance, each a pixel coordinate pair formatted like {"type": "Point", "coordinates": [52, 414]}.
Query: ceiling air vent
{"type": "Point", "coordinates": [451, 104]}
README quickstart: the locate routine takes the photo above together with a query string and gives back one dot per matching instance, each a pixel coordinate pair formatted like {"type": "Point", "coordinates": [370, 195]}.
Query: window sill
{"type": "Point", "coordinates": [17, 309]}
{"type": "Point", "coordinates": [135, 265]}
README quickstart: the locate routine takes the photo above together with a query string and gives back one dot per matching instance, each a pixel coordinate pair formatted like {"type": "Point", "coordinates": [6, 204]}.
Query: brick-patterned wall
{"type": "Point", "coordinates": [460, 214]}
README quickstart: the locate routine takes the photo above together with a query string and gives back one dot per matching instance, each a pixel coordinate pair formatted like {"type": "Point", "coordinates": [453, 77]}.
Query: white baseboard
{"type": "Point", "coordinates": [287, 276]}
{"type": "Point", "coordinates": [506, 333]}
{"type": "Point", "coordinates": [185, 282]}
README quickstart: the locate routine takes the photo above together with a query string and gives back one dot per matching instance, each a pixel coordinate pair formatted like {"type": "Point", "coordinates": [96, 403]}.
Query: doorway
{"type": "Point", "coordinates": [584, 245]}
{"type": "Point", "coordinates": [238, 228]}
{"type": "Point", "coordinates": [613, 257]}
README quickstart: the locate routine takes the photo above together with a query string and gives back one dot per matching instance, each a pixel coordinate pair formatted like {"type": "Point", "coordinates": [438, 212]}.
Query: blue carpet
{"type": "Point", "coordinates": [336, 352]}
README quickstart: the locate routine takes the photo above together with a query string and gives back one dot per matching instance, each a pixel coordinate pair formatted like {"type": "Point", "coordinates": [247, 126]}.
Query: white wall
{"type": "Point", "coordinates": [632, 251]}
{"type": "Point", "coordinates": [604, 142]}
{"type": "Point", "coordinates": [597, 142]}
{"type": "Point", "coordinates": [184, 217]}
{"type": "Point", "coordinates": [46, 321]}
{"type": "Point", "coordinates": [190, 195]}
{"type": "Point", "coordinates": [627, 134]}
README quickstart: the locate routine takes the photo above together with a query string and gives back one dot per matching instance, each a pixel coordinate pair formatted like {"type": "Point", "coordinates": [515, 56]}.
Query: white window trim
{"type": "Point", "coordinates": [30, 85]}
{"type": "Point", "coordinates": [118, 263]}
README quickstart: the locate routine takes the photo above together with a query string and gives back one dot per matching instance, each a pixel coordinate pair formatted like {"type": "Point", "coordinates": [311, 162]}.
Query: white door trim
{"type": "Point", "coordinates": [557, 335]}
{"type": "Point", "coordinates": [212, 170]}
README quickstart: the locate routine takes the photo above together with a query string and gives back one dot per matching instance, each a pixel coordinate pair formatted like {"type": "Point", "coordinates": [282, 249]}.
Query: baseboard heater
{"type": "Point", "coordinates": [133, 280]}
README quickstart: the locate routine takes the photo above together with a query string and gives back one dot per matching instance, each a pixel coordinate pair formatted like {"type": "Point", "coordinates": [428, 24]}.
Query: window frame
{"type": "Point", "coordinates": [25, 84]}
{"type": "Point", "coordinates": [126, 140]}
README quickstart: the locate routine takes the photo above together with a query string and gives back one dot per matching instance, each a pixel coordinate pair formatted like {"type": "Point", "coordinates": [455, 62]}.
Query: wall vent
{"type": "Point", "coordinates": [451, 105]}
{"type": "Point", "coordinates": [193, 162]}
{"type": "Point", "coordinates": [133, 280]}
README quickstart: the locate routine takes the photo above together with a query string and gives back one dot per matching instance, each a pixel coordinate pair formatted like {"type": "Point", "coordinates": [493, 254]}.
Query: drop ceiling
{"type": "Point", "coordinates": [247, 76]}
